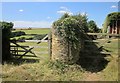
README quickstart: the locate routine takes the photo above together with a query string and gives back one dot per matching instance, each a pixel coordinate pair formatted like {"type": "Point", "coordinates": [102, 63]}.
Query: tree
{"type": "Point", "coordinates": [110, 19]}
{"type": "Point", "coordinates": [92, 26]}
{"type": "Point", "coordinates": [82, 21]}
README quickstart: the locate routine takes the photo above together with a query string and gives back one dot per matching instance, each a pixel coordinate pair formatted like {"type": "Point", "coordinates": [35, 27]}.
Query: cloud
{"type": "Point", "coordinates": [113, 6]}
{"type": "Point", "coordinates": [21, 10]}
{"type": "Point", "coordinates": [37, 24]}
{"type": "Point", "coordinates": [84, 13]}
{"type": "Point", "coordinates": [64, 10]}
{"type": "Point", "coordinates": [48, 17]}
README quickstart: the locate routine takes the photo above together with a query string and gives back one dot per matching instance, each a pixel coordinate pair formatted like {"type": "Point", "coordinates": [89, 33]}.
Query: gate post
{"type": "Point", "coordinates": [50, 44]}
{"type": "Point", "coordinates": [1, 53]}
{"type": "Point", "coordinates": [1, 45]}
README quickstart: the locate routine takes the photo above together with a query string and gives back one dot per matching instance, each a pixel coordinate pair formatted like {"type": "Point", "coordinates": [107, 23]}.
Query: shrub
{"type": "Point", "coordinates": [71, 27]}
{"type": "Point", "coordinates": [21, 39]}
{"type": "Point", "coordinates": [67, 38]}
{"type": "Point", "coordinates": [29, 28]}
{"type": "Point", "coordinates": [17, 33]}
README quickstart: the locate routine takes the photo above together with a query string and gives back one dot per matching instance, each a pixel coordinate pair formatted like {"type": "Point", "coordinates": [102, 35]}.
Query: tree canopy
{"type": "Point", "coordinates": [6, 29]}
{"type": "Point", "coordinates": [92, 26]}
{"type": "Point", "coordinates": [110, 19]}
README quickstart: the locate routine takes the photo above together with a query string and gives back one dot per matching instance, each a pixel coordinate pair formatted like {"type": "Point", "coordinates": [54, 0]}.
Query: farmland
{"type": "Point", "coordinates": [42, 48]}
{"type": "Point", "coordinates": [35, 31]}
{"type": "Point", "coordinates": [40, 68]}
{"type": "Point", "coordinates": [29, 34]}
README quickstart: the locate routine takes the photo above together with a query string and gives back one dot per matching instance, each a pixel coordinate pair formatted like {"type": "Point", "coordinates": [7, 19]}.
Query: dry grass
{"type": "Point", "coordinates": [45, 70]}
{"type": "Point", "coordinates": [39, 72]}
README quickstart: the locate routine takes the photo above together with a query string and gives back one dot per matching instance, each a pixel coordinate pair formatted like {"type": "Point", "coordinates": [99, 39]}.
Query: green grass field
{"type": "Point", "coordinates": [40, 68]}
{"type": "Point", "coordinates": [35, 31]}
{"type": "Point", "coordinates": [40, 50]}
{"type": "Point", "coordinates": [31, 33]}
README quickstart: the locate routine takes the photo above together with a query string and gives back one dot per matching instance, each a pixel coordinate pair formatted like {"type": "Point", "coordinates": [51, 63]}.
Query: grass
{"type": "Point", "coordinates": [35, 31]}
{"type": "Point", "coordinates": [113, 47]}
{"type": "Point", "coordinates": [34, 43]}
{"type": "Point", "coordinates": [110, 73]}
{"type": "Point", "coordinates": [31, 33]}
{"type": "Point", "coordinates": [25, 36]}
{"type": "Point", "coordinates": [41, 69]}
{"type": "Point", "coordinates": [40, 52]}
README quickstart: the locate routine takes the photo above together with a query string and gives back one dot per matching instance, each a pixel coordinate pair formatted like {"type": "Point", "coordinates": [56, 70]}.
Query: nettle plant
{"type": "Point", "coordinates": [68, 28]}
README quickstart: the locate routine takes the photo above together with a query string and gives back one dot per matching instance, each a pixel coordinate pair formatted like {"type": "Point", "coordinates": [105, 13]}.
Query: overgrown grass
{"type": "Point", "coordinates": [45, 70]}
{"type": "Point", "coordinates": [110, 73]}
{"type": "Point", "coordinates": [42, 71]}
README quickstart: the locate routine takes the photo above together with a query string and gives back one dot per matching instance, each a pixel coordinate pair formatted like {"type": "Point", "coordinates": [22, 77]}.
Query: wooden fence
{"type": "Point", "coordinates": [102, 35]}
{"type": "Point", "coordinates": [14, 50]}
{"type": "Point", "coordinates": [28, 49]}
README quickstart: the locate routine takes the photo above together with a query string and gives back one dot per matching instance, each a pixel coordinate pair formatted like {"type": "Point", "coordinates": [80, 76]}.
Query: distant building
{"type": "Point", "coordinates": [114, 28]}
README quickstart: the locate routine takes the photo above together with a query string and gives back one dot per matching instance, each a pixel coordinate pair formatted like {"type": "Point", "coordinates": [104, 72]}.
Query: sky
{"type": "Point", "coordinates": [59, 0]}
{"type": "Point", "coordinates": [43, 14]}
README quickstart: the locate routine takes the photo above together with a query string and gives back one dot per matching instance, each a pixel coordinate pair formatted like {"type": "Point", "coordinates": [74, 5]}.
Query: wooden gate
{"type": "Point", "coordinates": [15, 51]}
{"type": "Point", "coordinates": [38, 48]}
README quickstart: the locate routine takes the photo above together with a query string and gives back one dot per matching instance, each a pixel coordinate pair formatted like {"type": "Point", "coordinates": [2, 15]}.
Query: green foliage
{"type": "Point", "coordinates": [17, 33]}
{"type": "Point", "coordinates": [66, 15]}
{"type": "Point", "coordinates": [110, 19]}
{"type": "Point", "coordinates": [58, 65]}
{"type": "Point", "coordinates": [71, 28]}
{"type": "Point", "coordinates": [29, 37]}
{"type": "Point", "coordinates": [6, 29]}
{"type": "Point", "coordinates": [92, 26]}
{"type": "Point", "coordinates": [82, 19]}
{"type": "Point", "coordinates": [6, 25]}
{"type": "Point", "coordinates": [21, 38]}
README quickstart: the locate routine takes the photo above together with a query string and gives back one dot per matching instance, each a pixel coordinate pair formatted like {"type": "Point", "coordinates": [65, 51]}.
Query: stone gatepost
{"type": "Point", "coordinates": [63, 50]}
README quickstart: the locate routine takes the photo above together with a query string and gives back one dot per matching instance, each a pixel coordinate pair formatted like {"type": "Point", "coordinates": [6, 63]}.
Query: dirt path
{"type": "Point", "coordinates": [92, 77]}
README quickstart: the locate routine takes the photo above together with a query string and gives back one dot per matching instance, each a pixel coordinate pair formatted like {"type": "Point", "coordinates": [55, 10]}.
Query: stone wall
{"type": "Point", "coordinates": [63, 50]}
{"type": "Point", "coordinates": [59, 48]}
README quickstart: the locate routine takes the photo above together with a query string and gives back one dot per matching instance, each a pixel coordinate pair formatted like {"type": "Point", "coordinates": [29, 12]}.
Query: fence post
{"type": "Point", "coordinates": [1, 52]}
{"type": "Point", "coordinates": [1, 45]}
{"type": "Point", "coordinates": [50, 44]}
